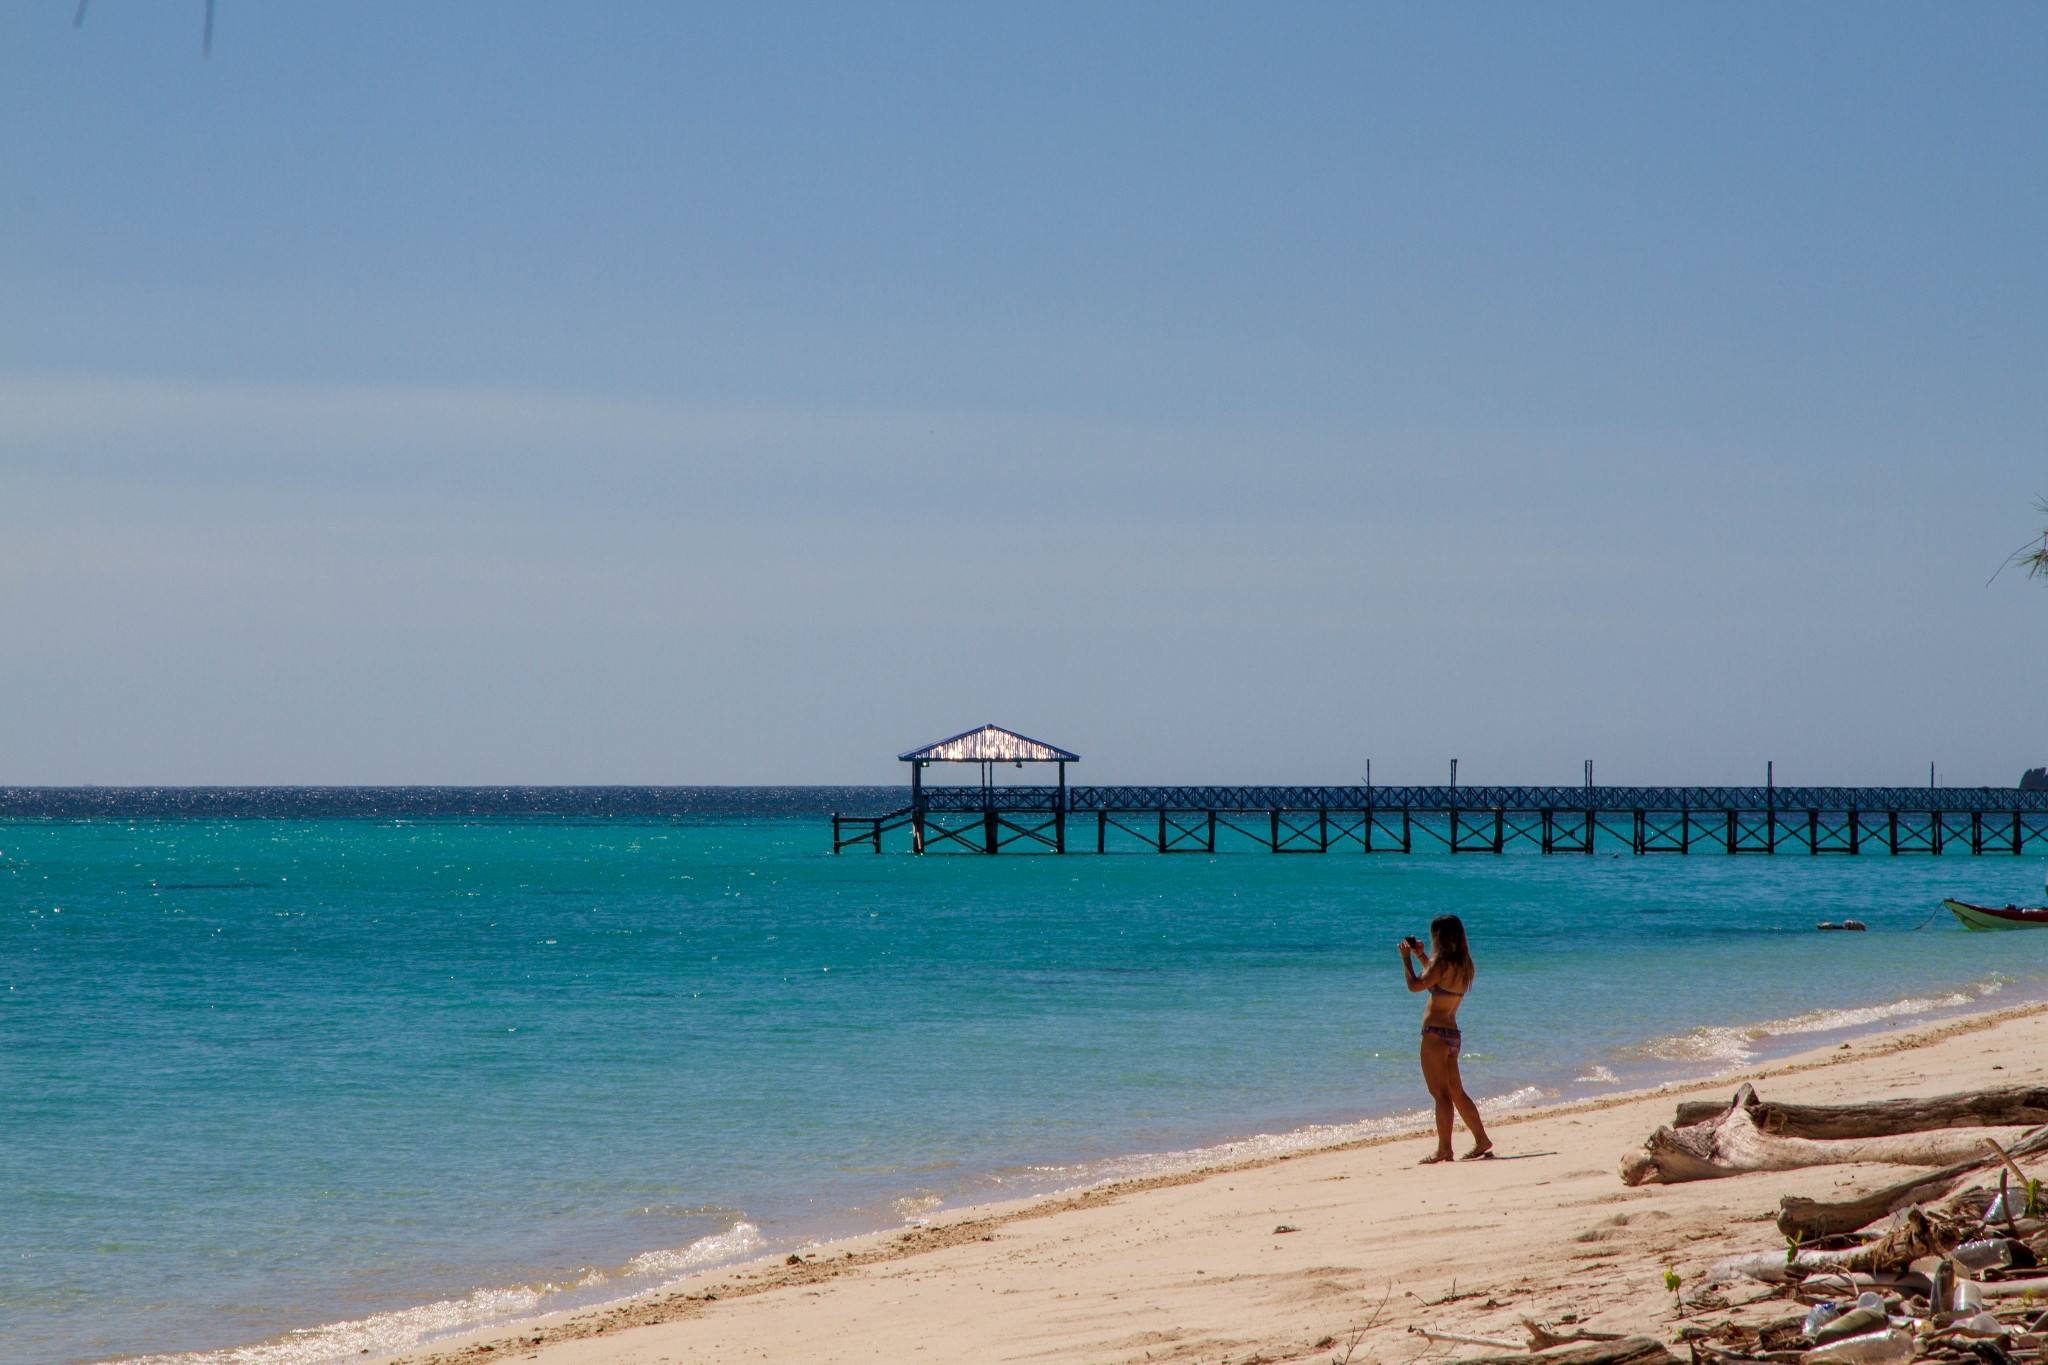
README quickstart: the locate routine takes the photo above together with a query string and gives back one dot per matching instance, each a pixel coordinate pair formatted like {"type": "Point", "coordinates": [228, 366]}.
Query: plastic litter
{"type": "Point", "coordinates": [1982, 1325]}
{"type": "Point", "coordinates": [1819, 1316]}
{"type": "Point", "coordinates": [1984, 1254]}
{"type": "Point", "coordinates": [1858, 1321]}
{"type": "Point", "coordinates": [1892, 1346]}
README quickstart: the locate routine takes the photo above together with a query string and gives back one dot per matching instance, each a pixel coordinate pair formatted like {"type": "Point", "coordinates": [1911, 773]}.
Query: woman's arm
{"type": "Point", "coordinates": [1424, 979]}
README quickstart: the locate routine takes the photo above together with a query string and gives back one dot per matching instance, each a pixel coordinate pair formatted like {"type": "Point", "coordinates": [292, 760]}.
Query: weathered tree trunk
{"type": "Point", "coordinates": [1733, 1144]}
{"type": "Point", "coordinates": [1627, 1351]}
{"type": "Point", "coordinates": [2008, 1106]}
{"type": "Point", "coordinates": [1807, 1219]}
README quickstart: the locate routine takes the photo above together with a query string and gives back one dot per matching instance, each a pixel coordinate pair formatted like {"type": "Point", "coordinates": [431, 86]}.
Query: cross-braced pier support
{"type": "Point", "coordinates": [1770, 820]}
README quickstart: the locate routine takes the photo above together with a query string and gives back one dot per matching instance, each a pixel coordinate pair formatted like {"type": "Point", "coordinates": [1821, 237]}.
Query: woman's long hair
{"type": "Point", "coordinates": [1447, 936]}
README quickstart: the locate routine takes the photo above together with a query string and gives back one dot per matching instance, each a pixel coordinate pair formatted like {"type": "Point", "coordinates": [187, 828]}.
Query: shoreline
{"type": "Point", "coordinates": [690, 1299]}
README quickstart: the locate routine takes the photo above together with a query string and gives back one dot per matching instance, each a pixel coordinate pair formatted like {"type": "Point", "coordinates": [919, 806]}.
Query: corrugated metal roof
{"type": "Point", "coordinates": [990, 744]}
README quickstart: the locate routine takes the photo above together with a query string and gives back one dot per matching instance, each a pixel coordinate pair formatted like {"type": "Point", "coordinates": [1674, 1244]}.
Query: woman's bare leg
{"type": "Point", "coordinates": [1467, 1110]}
{"type": "Point", "coordinates": [1439, 1073]}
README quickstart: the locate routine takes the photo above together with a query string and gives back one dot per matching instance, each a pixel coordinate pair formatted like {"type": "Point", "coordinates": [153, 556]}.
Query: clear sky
{"type": "Point", "coordinates": [644, 392]}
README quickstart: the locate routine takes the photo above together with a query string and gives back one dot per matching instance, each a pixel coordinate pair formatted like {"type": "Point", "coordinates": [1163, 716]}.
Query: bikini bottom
{"type": "Point", "coordinates": [1451, 1037]}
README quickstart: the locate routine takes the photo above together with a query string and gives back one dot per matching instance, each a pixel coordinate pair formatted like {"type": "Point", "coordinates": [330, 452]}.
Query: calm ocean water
{"type": "Point", "coordinates": [381, 1079]}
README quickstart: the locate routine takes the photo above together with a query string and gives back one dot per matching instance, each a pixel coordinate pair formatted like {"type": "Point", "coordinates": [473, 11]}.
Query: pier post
{"type": "Point", "coordinates": [988, 831]}
{"type": "Point", "coordinates": [1500, 819]}
{"type": "Point", "coordinates": [1407, 833]}
{"type": "Point", "coordinates": [917, 807]}
{"type": "Point", "coordinates": [1212, 832]}
{"type": "Point", "coordinates": [2015, 833]}
{"type": "Point", "coordinates": [1059, 813]}
{"type": "Point", "coordinates": [1101, 830]}
{"type": "Point", "coordinates": [1323, 831]}
{"type": "Point", "coordinates": [1976, 831]}
{"type": "Point", "coordinates": [1276, 830]}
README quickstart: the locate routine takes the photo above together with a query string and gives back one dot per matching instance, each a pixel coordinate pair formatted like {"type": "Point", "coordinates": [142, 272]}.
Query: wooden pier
{"type": "Point", "coordinates": [1767, 819]}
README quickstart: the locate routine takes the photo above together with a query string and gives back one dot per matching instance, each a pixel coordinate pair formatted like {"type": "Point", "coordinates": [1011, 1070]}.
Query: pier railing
{"type": "Point", "coordinates": [1463, 819]}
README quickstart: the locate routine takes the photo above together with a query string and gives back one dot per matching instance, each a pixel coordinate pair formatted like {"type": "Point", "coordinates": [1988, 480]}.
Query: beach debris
{"type": "Point", "coordinates": [1736, 1141]}
{"type": "Point", "coordinates": [1891, 1346]}
{"type": "Point", "coordinates": [1954, 1282]}
{"type": "Point", "coordinates": [2003, 1107]}
{"type": "Point", "coordinates": [1543, 1336]}
{"type": "Point", "coordinates": [1617, 1351]}
{"type": "Point", "coordinates": [1732, 1146]}
{"type": "Point", "coordinates": [1810, 1219]}
{"type": "Point", "coordinates": [1458, 1338]}
{"type": "Point", "coordinates": [1860, 1320]}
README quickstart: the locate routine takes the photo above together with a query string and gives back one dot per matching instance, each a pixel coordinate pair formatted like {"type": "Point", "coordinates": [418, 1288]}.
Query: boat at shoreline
{"type": "Point", "coordinates": [1990, 917]}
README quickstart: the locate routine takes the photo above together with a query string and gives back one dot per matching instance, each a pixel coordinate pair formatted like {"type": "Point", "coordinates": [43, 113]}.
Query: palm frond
{"type": "Point", "coordinates": [2032, 556]}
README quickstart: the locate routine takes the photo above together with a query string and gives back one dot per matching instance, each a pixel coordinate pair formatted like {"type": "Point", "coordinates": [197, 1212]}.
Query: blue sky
{"type": "Point", "coordinates": [654, 393]}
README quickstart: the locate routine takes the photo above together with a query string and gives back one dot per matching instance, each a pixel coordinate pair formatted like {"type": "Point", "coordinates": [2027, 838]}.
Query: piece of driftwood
{"type": "Point", "coordinates": [1807, 1219]}
{"type": "Point", "coordinates": [1913, 1234]}
{"type": "Point", "coordinates": [1627, 1351]}
{"type": "Point", "coordinates": [1542, 1336]}
{"type": "Point", "coordinates": [1461, 1339]}
{"type": "Point", "coordinates": [2006, 1107]}
{"type": "Point", "coordinates": [1732, 1144]}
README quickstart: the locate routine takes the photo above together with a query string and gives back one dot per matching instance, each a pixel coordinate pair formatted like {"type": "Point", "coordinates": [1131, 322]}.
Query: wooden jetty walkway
{"type": "Point", "coordinates": [1768, 819]}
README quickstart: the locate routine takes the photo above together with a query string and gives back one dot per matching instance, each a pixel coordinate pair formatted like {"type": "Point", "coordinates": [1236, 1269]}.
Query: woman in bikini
{"type": "Point", "coordinates": [1446, 972]}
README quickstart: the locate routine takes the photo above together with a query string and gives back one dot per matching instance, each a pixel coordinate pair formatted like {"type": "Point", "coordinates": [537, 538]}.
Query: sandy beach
{"type": "Point", "coordinates": [1307, 1256]}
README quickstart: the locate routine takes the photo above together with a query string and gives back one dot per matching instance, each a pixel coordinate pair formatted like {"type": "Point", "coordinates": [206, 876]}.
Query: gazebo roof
{"type": "Point", "coordinates": [989, 744]}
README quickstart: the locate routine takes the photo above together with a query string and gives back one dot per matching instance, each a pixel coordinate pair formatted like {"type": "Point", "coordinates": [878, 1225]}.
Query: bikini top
{"type": "Point", "coordinates": [1444, 990]}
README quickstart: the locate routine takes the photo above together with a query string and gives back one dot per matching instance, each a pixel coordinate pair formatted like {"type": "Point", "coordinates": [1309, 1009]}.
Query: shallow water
{"type": "Point", "coordinates": [268, 1075]}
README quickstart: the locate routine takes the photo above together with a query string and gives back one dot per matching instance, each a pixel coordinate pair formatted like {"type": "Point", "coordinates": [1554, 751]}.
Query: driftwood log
{"type": "Point", "coordinates": [1733, 1144]}
{"type": "Point", "coordinates": [1806, 1219]}
{"type": "Point", "coordinates": [2007, 1107]}
{"type": "Point", "coordinates": [1627, 1351]}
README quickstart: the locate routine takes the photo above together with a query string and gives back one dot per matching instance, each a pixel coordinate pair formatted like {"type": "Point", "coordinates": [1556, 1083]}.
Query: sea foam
{"type": "Point", "coordinates": [382, 1334]}
{"type": "Point", "coordinates": [1735, 1043]}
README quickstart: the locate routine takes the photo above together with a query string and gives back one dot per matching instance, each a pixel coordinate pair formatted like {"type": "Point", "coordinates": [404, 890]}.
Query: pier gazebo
{"type": "Point", "coordinates": [988, 746]}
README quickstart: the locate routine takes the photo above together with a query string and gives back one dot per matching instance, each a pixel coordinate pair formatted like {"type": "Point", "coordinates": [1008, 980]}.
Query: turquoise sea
{"type": "Point", "coordinates": [317, 1086]}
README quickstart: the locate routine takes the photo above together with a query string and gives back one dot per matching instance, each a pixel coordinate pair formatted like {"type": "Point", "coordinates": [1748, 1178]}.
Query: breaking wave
{"type": "Point", "coordinates": [1735, 1043]}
